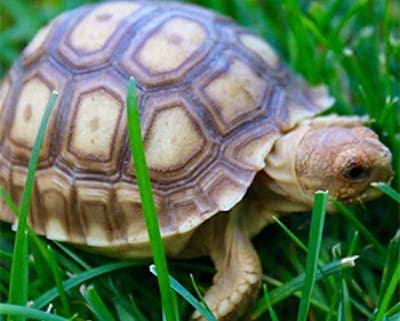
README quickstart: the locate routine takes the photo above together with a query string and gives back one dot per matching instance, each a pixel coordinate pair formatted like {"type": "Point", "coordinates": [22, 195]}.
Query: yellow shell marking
{"type": "Point", "coordinates": [236, 92]}
{"type": "Point", "coordinates": [30, 108]}
{"type": "Point", "coordinates": [93, 31]}
{"type": "Point", "coordinates": [95, 124]}
{"type": "Point", "coordinates": [171, 45]}
{"type": "Point", "coordinates": [262, 49]}
{"type": "Point", "coordinates": [172, 139]}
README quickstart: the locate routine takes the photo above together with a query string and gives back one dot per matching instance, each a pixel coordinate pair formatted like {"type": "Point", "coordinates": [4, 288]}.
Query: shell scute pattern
{"type": "Point", "coordinates": [91, 40]}
{"type": "Point", "coordinates": [234, 94]}
{"type": "Point", "coordinates": [172, 155]}
{"type": "Point", "coordinates": [95, 130]}
{"type": "Point", "coordinates": [203, 151]}
{"type": "Point", "coordinates": [180, 40]}
{"type": "Point", "coordinates": [22, 122]}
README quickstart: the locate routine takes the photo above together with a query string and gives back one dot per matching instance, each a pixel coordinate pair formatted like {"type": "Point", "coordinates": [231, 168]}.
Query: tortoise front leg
{"type": "Point", "coordinates": [238, 278]}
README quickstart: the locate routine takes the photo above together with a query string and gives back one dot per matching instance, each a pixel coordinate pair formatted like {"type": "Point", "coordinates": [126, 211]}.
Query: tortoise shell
{"type": "Point", "coordinates": [213, 98]}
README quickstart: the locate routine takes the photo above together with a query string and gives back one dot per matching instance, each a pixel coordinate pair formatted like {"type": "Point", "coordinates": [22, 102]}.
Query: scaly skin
{"type": "Point", "coordinates": [238, 280]}
{"type": "Point", "coordinates": [333, 153]}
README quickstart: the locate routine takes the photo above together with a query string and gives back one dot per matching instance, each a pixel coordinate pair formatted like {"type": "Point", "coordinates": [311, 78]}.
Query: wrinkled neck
{"type": "Point", "coordinates": [280, 171]}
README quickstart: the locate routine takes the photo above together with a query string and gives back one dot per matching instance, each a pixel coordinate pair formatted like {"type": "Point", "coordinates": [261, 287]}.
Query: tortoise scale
{"type": "Point", "coordinates": [224, 122]}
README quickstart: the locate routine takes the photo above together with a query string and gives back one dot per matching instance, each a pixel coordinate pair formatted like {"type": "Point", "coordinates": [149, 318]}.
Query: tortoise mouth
{"type": "Point", "coordinates": [369, 193]}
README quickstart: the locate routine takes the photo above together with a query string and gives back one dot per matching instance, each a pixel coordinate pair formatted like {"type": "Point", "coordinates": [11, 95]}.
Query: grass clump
{"type": "Point", "coordinates": [353, 47]}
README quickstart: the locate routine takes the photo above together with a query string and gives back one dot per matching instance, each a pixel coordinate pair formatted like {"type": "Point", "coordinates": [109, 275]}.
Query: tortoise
{"type": "Point", "coordinates": [232, 137]}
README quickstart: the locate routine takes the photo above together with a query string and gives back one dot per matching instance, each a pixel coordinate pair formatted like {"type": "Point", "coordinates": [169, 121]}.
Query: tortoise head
{"type": "Point", "coordinates": [333, 153]}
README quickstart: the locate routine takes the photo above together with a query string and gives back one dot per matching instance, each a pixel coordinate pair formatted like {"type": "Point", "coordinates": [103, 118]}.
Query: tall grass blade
{"type": "Point", "coordinates": [271, 311]}
{"type": "Point", "coordinates": [14, 311]}
{"type": "Point", "coordinates": [392, 260]}
{"type": "Point", "coordinates": [184, 293]}
{"type": "Point", "coordinates": [289, 288]}
{"type": "Point", "coordinates": [390, 278]}
{"type": "Point", "coordinates": [96, 303]}
{"type": "Point", "coordinates": [291, 235]}
{"type": "Point", "coordinates": [314, 246]}
{"type": "Point", "coordinates": [386, 189]}
{"type": "Point", "coordinates": [78, 279]}
{"type": "Point", "coordinates": [19, 269]}
{"type": "Point", "coordinates": [55, 270]}
{"type": "Point", "coordinates": [7, 199]}
{"type": "Point", "coordinates": [135, 136]}
{"type": "Point", "coordinates": [388, 295]}
{"type": "Point", "coordinates": [352, 218]}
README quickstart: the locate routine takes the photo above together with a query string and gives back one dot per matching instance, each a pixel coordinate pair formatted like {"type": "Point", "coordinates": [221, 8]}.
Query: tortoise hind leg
{"type": "Point", "coordinates": [238, 278]}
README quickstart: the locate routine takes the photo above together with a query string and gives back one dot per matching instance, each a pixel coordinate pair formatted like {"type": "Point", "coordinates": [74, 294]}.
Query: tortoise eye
{"type": "Point", "coordinates": [356, 173]}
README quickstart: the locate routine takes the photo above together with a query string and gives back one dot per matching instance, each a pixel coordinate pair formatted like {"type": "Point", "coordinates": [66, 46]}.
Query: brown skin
{"type": "Point", "coordinates": [331, 153]}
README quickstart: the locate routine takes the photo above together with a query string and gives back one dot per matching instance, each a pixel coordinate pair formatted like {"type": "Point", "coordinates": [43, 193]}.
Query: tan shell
{"type": "Point", "coordinates": [213, 98]}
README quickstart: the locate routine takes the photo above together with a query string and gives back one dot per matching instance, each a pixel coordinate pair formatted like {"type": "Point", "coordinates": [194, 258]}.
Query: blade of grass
{"type": "Point", "coordinates": [168, 299]}
{"type": "Point", "coordinates": [271, 310]}
{"type": "Point", "coordinates": [344, 310]}
{"type": "Point", "coordinates": [124, 314]}
{"type": "Point", "coordinates": [292, 236]}
{"type": "Point", "coordinates": [387, 297]}
{"type": "Point", "coordinates": [96, 304]}
{"type": "Point", "coordinates": [33, 314]}
{"type": "Point", "coordinates": [287, 289]}
{"type": "Point", "coordinates": [386, 189]}
{"type": "Point", "coordinates": [392, 260]}
{"type": "Point", "coordinates": [390, 278]}
{"type": "Point", "coordinates": [314, 245]}
{"type": "Point", "coordinates": [58, 280]}
{"type": "Point", "coordinates": [19, 268]}
{"type": "Point", "coordinates": [125, 306]}
{"type": "Point", "coordinates": [74, 257]}
{"type": "Point", "coordinates": [350, 216]}
{"type": "Point", "coordinates": [394, 311]}
{"type": "Point", "coordinates": [198, 293]}
{"type": "Point", "coordinates": [7, 199]}
{"type": "Point", "coordinates": [78, 279]}
{"type": "Point", "coordinates": [184, 293]}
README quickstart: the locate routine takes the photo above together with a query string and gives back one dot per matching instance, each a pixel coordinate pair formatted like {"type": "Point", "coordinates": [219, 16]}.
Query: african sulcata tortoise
{"type": "Point", "coordinates": [217, 107]}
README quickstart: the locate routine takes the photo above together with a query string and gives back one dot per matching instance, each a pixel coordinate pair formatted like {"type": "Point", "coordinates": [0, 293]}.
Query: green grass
{"type": "Point", "coordinates": [19, 278]}
{"type": "Point", "coordinates": [354, 48]}
{"type": "Point", "coordinates": [168, 300]}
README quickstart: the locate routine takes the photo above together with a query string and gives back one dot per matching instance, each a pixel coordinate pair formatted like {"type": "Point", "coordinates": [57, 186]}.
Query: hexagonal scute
{"type": "Point", "coordinates": [167, 52]}
{"type": "Point", "coordinates": [29, 109]}
{"type": "Point", "coordinates": [172, 140]}
{"type": "Point", "coordinates": [234, 94]}
{"type": "Point", "coordinates": [95, 128]}
{"type": "Point", "coordinates": [175, 138]}
{"type": "Point", "coordinates": [93, 39]}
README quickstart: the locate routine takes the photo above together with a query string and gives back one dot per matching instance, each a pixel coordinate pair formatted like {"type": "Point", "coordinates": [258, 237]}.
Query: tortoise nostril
{"type": "Point", "coordinates": [356, 173]}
